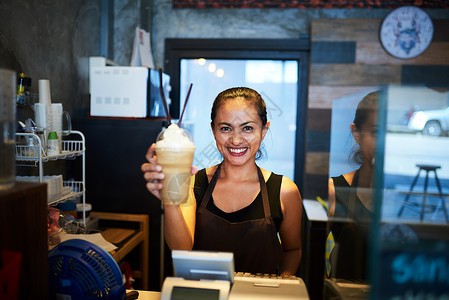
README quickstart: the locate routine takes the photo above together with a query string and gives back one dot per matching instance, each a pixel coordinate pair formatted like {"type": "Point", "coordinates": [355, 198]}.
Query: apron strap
{"type": "Point", "coordinates": [208, 194]}
{"type": "Point", "coordinates": [263, 189]}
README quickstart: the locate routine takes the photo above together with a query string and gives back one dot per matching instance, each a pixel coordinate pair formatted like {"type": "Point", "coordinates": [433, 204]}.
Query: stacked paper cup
{"type": "Point", "coordinates": [44, 92]}
{"type": "Point", "coordinates": [49, 115]}
{"type": "Point", "coordinates": [42, 110]}
{"type": "Point", "coordinates": [40, 115]}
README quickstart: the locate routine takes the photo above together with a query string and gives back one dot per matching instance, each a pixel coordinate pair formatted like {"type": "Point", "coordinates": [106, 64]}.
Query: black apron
{"type": "Point", "coordinates": [254, 243]}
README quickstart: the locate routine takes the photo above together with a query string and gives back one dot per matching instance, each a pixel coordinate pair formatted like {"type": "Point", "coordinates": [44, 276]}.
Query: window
{"type": "Point", "coordinates": [277, 69]}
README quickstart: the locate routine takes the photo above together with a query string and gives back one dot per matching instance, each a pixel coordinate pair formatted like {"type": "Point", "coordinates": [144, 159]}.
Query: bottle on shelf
{"type": "Point", "coordinates": [21, 89]}
{"type": "Point", "coordinates": [52, 144]}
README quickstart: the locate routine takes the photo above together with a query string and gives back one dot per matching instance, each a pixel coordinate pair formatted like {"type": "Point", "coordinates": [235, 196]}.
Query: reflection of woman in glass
{"type": "Point", "coordinates": [350, 197]}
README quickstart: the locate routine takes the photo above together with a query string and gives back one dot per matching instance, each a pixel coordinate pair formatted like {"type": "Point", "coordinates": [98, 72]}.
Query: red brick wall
{"type": "Point", "coordinates": [308, 3]}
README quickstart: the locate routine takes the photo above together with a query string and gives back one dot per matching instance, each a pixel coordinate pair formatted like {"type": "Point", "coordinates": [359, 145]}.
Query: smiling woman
{"type": "Point", "coordinates": [235, 205]}
{"type": "Point", "coordinates": [239, 126]}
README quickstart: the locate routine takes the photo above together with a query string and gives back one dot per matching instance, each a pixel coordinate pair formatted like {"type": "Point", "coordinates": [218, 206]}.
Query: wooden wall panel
{"type": "Point", "coordinates": [318, 119]}
{"type": "Point", "coordinates": [373, 53]}
{"type": "Point", "coordinates": [318, 140]}
{"type": "Point", "coordinates": [353, 74]}
{"type": "Point", "coordinates": [317, 163]}
{"type": "Point", "coordinates": [360, 30]}
{"type": "Point", "coordinates": [440, 30]}
{"type": "Point", "coordinates": [333, 52]}
{"type": "Point", "coordinates": [431, 76]}
{"type": "Point", "coordinates": [322, 96]}
{"type": "Point", "coordinates": [333, 74]}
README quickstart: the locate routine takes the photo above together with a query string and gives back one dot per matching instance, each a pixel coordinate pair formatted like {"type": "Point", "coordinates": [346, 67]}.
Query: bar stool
{"type": "Point", "coordinates": [414, 205]}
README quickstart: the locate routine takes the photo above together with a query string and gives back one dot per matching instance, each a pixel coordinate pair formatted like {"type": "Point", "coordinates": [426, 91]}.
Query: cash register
{"type": "Point", "coordinates": [206, 275]}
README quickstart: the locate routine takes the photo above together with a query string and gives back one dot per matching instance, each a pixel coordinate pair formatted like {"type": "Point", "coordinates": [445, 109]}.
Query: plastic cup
{"type": "Point", "coordinates": [57, 117]}
{"type": "Point", "coordinates": [176, 159]}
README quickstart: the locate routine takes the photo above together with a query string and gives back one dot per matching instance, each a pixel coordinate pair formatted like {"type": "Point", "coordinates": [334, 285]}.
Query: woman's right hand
{"type": "Point", "coordinates": [152, 172]}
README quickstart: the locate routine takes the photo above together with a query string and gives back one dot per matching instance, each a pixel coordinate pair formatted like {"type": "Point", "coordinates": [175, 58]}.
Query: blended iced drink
{"type": "Point", "coordinates": [174, 151]}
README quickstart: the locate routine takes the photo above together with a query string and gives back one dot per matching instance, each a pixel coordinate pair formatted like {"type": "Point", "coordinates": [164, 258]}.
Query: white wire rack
{"type": "Point", "coordinates": [76, 189]}
{"type": "Point", "coordinates": [29, 148]}
{"type": "Point", "coordinates": [31, 152]}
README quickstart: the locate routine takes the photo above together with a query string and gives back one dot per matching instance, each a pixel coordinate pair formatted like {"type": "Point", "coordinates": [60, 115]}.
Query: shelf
{"type": "Point", "coordinates": [30, 152]}
{"type": "Point", "coordinates": [29, 148]}
{"type": "Point", "coordinates": [70, 196]}
{"type": "Point", "coordinates": [76, 189]}
{"type": "Point", "coordinates": [140, 237]}
{"type": "Point", "coordinates": [63, 155]}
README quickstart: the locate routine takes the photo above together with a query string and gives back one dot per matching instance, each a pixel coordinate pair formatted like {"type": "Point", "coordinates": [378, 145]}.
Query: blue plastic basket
{"type": "Point", "coordinates": [83, 270]}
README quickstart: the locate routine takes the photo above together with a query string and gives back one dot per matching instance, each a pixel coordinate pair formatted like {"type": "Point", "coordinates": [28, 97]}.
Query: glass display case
{"type": "Point", "coordinates": [388, 194]}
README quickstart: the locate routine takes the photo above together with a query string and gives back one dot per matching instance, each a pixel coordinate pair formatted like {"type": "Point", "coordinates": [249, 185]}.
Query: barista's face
{"type": "Point", "coordinates": [366, 137]}
{"type": "Point", "coordinates": [238, 131]}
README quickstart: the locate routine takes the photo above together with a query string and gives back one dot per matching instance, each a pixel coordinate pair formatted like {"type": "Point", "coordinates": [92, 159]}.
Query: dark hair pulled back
{"type": "Point", "coordinates": [249, 95]}
{"type": "Point", "coordinates": [366, 106]}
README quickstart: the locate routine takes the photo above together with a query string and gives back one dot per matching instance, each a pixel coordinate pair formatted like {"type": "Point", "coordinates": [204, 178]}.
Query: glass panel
{"type": "Point", "coordinates": [275, 80]}
{"type": "Point", "coordinates": [389, 225]}
{"type": "Point", "coordinates": [411, 239]}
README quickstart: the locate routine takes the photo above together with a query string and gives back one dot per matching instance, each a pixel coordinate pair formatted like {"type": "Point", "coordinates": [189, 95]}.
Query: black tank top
{"type": "Point", "coordinates": [251, 212]}
{"type": "Point", "coordinates": [350, 259]}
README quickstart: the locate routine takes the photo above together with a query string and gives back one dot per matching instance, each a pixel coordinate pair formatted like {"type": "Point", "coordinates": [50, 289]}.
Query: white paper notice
{"type": "Point", "coordinates": [142, 55]}
{"type": "Point", "coordinates": [95, 238]}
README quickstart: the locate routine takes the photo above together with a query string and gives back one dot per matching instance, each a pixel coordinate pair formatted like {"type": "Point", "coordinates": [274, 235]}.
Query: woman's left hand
{"type": "Point", "coordinates": [152, 172]}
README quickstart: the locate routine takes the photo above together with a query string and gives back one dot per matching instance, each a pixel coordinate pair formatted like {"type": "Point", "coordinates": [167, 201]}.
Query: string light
{"type": "Point", "coordinates": [212, 67]}
{"type": "Point", "coordinates": [201, 61]}
{"type": "Point", "coordinates": [220, 73]}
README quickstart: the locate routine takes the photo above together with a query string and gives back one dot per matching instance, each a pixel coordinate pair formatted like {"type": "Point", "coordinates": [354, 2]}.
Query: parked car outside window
{"type": "Point", "coordinates": [430, 122]}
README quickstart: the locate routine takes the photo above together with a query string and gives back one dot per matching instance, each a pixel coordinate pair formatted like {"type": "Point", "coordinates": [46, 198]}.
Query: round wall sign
{"type": "Point", "coordinates": [406, 32]}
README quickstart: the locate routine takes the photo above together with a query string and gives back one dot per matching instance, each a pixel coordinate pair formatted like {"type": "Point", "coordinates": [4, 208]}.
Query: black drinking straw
{"type": "Point", "coordinates": [185, 103]}
{"type": "Point", "coordinates": [161, 88]}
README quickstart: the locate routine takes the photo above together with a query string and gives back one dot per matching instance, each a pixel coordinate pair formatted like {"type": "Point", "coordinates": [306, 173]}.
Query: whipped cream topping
{"type": "Point", "coordinates": [174, 137]}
